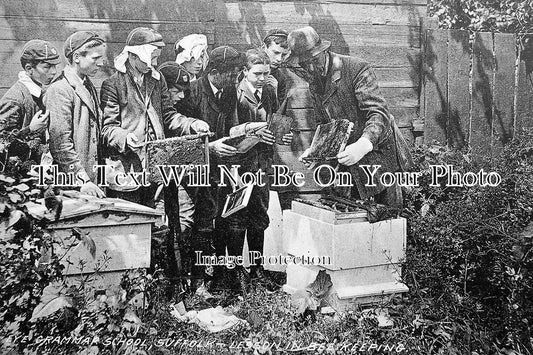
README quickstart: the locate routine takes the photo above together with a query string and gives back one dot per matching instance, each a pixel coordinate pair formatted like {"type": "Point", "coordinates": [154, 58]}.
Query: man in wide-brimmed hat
{"type": "Point", "coordinates": [346, 87]}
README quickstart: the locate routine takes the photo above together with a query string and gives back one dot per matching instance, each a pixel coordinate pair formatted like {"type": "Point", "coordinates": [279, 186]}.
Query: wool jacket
{"type": "Point", "coordinates": [350, 91]}
{"type": "Point", "coordinates": [280, 74]}
{"type": "Point", "coordinates": [219, 114]}
{"type": "Point", "coordinates": [74, 123]}
{"type": "Point", "coordinates": [125, 106]}
{"type": "Point", "coordinates": [17, 108]}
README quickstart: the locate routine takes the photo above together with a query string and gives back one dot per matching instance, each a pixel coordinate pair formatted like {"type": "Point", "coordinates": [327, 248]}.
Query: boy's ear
{"type": "Point", "coordinates": [28, 67]}
{"type": "Point", "coordinates": [214, 72]}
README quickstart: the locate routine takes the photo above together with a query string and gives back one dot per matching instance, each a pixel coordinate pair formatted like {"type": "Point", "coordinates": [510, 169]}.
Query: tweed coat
{"type": "Point", "coordinates": [124, 111]}
{"type": "Point", "coordinates": [74, 124]}
{"type": "Point", "coordinates": [350, 91]}
{"type": "Point", "coordinates": [17, 108]}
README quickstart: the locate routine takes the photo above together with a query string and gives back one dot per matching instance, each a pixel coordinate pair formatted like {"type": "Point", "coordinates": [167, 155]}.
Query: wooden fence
{"type": "Point", "coordinates": [387, 33]}
{"type": "Point", "coordinates": [476, 89]}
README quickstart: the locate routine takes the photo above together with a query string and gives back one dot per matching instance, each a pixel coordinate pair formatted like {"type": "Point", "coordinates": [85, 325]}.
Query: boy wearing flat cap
{"type": "Point", "coordinates": [137, 107]}
{"type": "Point", "coordinates": [178, 81]}
{"type": "Point", "coordinates": [346, 87]}
{"type": "Point", "coordinates": [74, 113]}
{"type": "Point", "coordinates": [22, 112]}
{"type": "Point", "coordinates": [179, 86]}
{"type": "Point", "coordinates": [213, 99]}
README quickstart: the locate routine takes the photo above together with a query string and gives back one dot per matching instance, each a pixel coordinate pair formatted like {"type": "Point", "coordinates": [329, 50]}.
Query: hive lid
{"type": "Point", "coordinates": [84, 205]}
{"type": "Point", "coordinates": [316, 210]}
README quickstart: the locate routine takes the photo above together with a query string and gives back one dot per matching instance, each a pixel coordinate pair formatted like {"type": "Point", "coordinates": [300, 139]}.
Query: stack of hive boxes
{"type": "Point", "coordinates": [362, 258]}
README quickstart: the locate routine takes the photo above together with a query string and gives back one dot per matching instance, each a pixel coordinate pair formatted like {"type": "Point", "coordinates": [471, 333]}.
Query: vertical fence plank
{"type": "Point", "coordinates": [482, 81]}
{"type": "Point", "coordinates": [524, 107]}
{"type": "Point", "coordinates": [458, 122]}
{"type": "Point", "coordinates": [504, 79]}
{"type": "Point", "coordinates": [435, 67]}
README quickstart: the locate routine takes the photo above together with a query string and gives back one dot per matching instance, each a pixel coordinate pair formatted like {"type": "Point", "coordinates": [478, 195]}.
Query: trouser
{"type": "Point", "coordinates": [186, 207]}
{"type": "Point", "coordinates": [143, 195]}
{"type": "Point", "coordinates": [391, 196]}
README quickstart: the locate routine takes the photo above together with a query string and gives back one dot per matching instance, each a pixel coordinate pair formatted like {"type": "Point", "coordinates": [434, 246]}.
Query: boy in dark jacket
{"type": "Point", "coordinates": [22, 112]}
{"type": "Point", "coordinates": [212, 99]}
{"type": "Point", "coordinates": [256, 102]}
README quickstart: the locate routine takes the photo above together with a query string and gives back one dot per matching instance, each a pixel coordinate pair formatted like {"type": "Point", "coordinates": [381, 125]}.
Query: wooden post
{"type": "Point", "coordinates": [524, 101]}
{"type": "Point", "coordinates": [504, 80]}
{"type": "Point", "coordinates": [482, 100]}
{"type": "Point", "coordinates": [436, 90]}
{"type": "Point", "coordinates": [458, 108]}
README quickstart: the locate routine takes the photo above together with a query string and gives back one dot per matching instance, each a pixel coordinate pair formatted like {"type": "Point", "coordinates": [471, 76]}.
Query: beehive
{"type": "Point", "coordinates": [120, 230]}
{"type": "Point", "coordinates": [364, 258]}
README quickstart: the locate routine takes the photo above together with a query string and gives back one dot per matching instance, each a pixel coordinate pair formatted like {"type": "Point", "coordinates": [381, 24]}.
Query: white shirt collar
{"type": "Point", "coordinates": [33, 88]}
{"type": "Point", "coordinates": [253, 89]}
{"type": "Point", "coordinates": [326, 65]}
{"type": "Point", "coordinates": [214, 88]}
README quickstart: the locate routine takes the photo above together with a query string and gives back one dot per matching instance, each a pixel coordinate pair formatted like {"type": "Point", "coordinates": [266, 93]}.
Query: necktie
{"type": "Point", "coordinates": [257, 96]}
{"type": "Point", "coordinates": [218, 95]}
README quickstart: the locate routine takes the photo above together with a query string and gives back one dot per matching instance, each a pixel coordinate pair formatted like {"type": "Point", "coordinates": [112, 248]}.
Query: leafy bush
{"type": "Point", "coordinates": [469, 250]}
{"type": "Point", "coordinates": [484, 15]}
{"type": "Point", "coordinates": [23, 274]}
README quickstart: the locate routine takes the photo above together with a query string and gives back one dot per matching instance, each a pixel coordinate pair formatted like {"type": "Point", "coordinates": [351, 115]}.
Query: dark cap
{"type": "Point", "coordinates": [144, 35]}
{"type": "Point", "coordinates": [225, 58]}
{"type": "Point", "coordinates": [175, 74]}
{"type": "Point", "coordinates": [78, 39]}
{"type": "Point", "coordinates": [306, 43]}
{"type": "Point", "coordinates": [40, 50]}
{"type": "Point", "coordinates": [276, 32]}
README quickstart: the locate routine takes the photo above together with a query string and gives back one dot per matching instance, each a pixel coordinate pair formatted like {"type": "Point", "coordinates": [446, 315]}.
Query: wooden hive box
{"type": "Point", "coordinates": [364, 259]}
{"type": "Point", "coordinates": [121, 231]}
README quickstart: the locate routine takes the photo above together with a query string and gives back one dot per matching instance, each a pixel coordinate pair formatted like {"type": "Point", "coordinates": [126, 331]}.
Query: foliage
{"type": "Point", "coordinates": [469, 267]}
{"type": "Point", "coordinates": [23, 273]}
{"type": "Point", "coordinates": [469, 253]}
{"type": "Point", "coordinates": [513, 16]}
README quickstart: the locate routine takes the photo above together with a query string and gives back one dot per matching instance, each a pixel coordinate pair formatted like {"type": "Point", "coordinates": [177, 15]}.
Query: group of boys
{"type": "Point", "coordinates": [134, 106]}
{"type": "Point", "coordinates": [139, 103]}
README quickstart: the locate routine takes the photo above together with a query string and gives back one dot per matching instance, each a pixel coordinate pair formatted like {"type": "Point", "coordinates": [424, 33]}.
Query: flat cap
{"type": "Point", "coordinates": [78, 39]}
{"type": "Point", "coordinates": [225, 57]}
{"type": "Point", "coordinates": [144, 35]}
{"type": "Point", "coordinates": [175, 74]}
{"type": "Point", "coordinates": [276, 32]}
{"type": "Point", "coordinates": [37, 49]}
